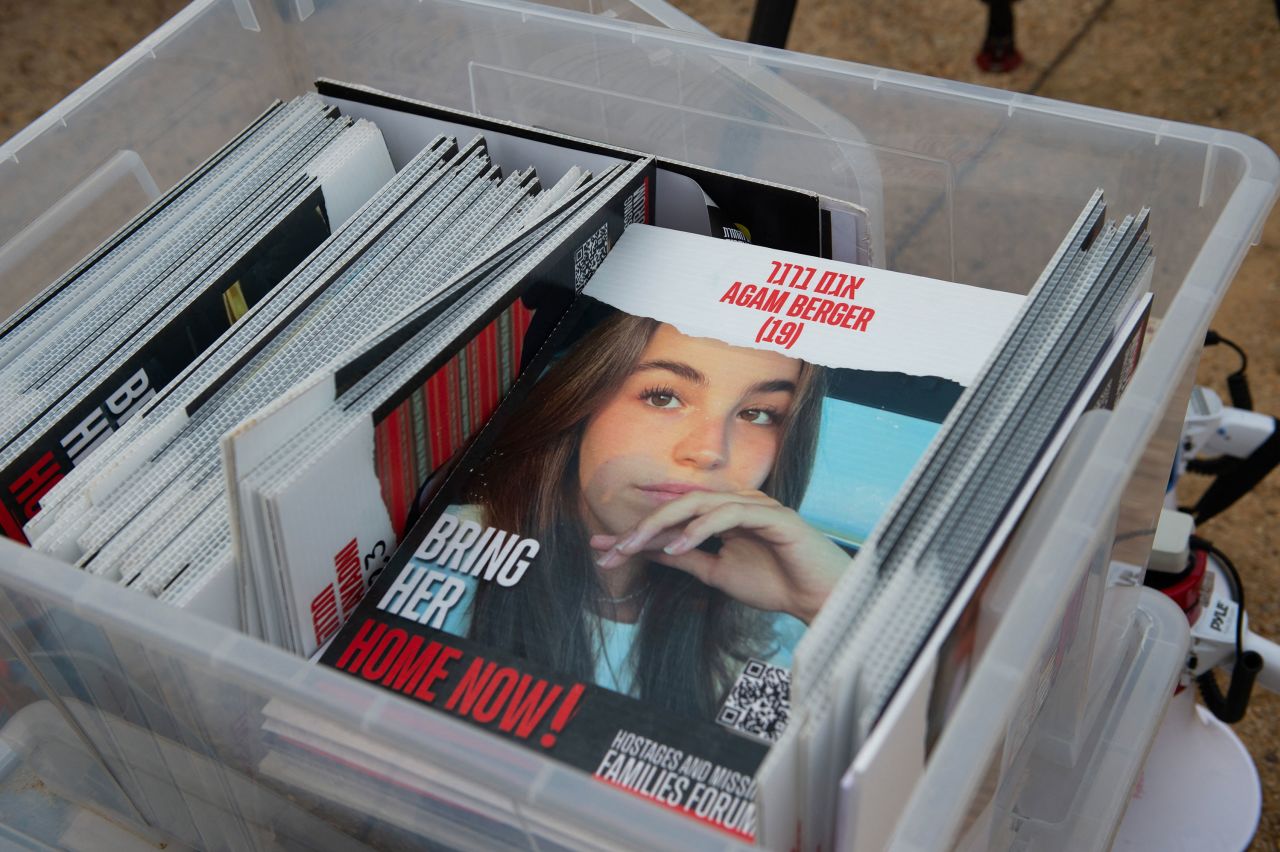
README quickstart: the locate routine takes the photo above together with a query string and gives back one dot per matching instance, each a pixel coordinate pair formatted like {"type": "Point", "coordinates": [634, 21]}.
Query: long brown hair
{"type": "Point", "coordinates": [691, 637]}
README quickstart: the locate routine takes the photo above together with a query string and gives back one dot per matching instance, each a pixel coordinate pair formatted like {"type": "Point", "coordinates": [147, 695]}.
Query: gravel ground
{"type": "Point", "coordinates": [1214, 64]}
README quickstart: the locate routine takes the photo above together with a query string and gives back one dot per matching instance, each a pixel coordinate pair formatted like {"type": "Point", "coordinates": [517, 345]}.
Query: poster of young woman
{"type": "Point", "coordinates": [619, 569]}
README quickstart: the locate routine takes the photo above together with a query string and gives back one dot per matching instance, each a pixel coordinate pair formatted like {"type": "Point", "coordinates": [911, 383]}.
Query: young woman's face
{"type": "Point", "coordinates": [695, 414]}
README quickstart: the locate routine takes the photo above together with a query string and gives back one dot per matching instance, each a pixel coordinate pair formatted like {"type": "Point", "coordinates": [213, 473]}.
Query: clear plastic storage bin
{"type": "Point", "coordinates": [119, 708]}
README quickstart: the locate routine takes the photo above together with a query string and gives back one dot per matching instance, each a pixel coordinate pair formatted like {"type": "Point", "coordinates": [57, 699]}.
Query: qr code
{"type": "Point", "coordinates": [634, 209]}
{"type": "Point", "coordinates": [757, 704]}
{"type": "Point", "coordinates": [589, 255]}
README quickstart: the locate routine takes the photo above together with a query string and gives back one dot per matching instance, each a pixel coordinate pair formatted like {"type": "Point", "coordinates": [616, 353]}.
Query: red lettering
{"type": "Point", "coordinates": [9, 526]}
{"type": "Point", "coordinates": [851, 291]}
{"type": "Point", "coordinates": [775, 301]}
{"type": "Point", "coordinates": [798, 305]}
{"type": "Point", "coordinates": [473, 682]}
{"type": "Point", "coordinates": [527, 707]}
{"type": "Point", "coordinates": [359, 647]}
{"type": "Point", "coordinates": [409, 668]}
{"type": "Point", "coordinates": [863, 319]}
{"type": "Point", "coordinates": [324, 615]}
{"type": "Point", "coordinates": [495, 694]}
{"type": "Point", "coordinates": [35, 482]}
{"type": "Point", "coordinates": [568, 708]}
{"type": "Point", "coordinates": [731, 295]}
{"type": "Point", "coordinates": [824, 309]}
{"type": "Point", "coordinates": [377, 664]}
{"type": "Point", "coordinates": [447, 655]}
{"type": "Point", "coordinates": [350, 578]}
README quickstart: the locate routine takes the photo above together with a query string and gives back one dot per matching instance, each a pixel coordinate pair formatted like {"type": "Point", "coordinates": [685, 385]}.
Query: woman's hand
{"type": "Point", "coordinates": [770, 558]}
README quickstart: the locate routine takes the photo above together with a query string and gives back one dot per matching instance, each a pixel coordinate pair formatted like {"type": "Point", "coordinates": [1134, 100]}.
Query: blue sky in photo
{"type": "Point", "coordinates": [864, 456]}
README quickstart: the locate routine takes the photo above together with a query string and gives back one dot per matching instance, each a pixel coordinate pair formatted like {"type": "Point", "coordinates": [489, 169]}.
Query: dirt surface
{"type": "Point", "coordinates": [1214, 64]}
